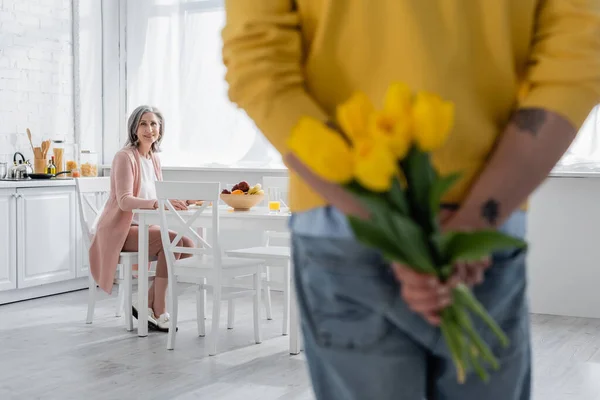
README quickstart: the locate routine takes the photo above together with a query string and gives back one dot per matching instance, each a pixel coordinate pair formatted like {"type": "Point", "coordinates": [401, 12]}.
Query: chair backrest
{"type": "Point", "coordinates": [92, 193]}
{"type": "Point", "coordinates": [182, 221]}
{"type": "Point", "coordinates": [281, 182]}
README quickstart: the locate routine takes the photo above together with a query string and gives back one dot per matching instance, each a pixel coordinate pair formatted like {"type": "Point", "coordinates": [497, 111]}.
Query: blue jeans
{"type": "Point", "coordinates": [362, 341]}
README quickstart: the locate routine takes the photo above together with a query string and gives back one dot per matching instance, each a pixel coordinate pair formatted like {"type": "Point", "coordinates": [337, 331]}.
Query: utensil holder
{"type": "Point", "coordinates": [39, 166]}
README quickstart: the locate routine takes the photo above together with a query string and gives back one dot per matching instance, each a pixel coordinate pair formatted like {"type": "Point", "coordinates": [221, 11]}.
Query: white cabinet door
{"type": "Point", "coordinates": [8, 240]}
{"type": "Point", "coordinates": [47, 244]}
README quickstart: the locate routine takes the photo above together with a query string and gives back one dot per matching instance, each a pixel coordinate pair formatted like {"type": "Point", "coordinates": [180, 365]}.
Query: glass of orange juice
{"type": "Point", "coordinates": [274, 199]}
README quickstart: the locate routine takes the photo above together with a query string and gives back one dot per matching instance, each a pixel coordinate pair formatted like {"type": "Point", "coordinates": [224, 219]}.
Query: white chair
{"type": "Point", "coordinates": [206, 267]}
{"type": "Point", "coordinates": [273, 256]}
{"type": "Point", "coordinates": [92, 194]}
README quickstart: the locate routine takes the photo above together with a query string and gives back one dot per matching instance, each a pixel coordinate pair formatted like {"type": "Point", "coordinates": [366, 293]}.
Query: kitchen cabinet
{"type": "Point", "coordinates": [40, 240]}
{"type": "Point", "coordinates": [8, 235]}
{"type": "Point", "coordinates": [46, 235]}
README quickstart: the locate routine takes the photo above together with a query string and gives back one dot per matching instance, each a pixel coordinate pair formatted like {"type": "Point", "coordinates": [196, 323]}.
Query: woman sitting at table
{"type": "Point", "coordinates": [135, 169]}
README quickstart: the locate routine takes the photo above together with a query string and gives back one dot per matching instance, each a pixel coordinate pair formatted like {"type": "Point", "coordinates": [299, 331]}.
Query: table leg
{"type": "Point", "coordinates": [142, 277]}
{"type": "Point", "coordinates": [295, 334]}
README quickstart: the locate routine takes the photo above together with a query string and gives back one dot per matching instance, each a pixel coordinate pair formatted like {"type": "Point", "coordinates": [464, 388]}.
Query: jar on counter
{"type": "Point", "coordinates": [65, 156]}
{"type": "Point", "coordinates": [88, 166]}
{"type": "Point", "coordinates": [58, 151]}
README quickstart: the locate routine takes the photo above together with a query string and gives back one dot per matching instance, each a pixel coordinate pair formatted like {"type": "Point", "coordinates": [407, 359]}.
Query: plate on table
{"type": "Point", "coordinates": [198, 204]}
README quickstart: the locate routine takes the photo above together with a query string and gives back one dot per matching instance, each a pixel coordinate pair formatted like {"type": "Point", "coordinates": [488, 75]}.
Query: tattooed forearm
{"type": "Point", "coordinates": [490, 211]}
{"type": "Point", "coordinates": [530, 120]}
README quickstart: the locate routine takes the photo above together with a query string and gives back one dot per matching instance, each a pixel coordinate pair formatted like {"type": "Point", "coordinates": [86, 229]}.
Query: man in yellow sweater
{"type": "Point", "coordinates": [523, 75]}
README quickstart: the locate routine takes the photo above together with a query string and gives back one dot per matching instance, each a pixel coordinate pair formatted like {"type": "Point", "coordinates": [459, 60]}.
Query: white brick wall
{"type": "Point", "coordinates": [36, 72]}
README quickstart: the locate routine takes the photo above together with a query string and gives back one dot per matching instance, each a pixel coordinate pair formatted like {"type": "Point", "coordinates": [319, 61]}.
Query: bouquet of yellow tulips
{"type": "Point", "coordinates": [383, 157]}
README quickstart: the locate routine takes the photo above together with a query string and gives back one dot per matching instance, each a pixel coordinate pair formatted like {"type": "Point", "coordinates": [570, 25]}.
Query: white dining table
{"type": "Point", "coordinates": [256, 219]}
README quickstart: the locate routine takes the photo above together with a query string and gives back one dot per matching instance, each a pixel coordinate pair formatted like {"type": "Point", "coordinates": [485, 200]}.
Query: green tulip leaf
{"type": "Point", "coordinates": [412, 240]}
{"type": "Point", "coordinates": [473, 246]}
{"type": "Point", "coordinates": [441, 185]}
{"type": "Point", "coordinates": [420, 176]}
{"type": "Point", "coordinates": [398, 198]}
{"type": "Point", "coordinates": [372, 235]}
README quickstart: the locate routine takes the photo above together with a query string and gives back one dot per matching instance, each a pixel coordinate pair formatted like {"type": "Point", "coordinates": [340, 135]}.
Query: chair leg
{"type": "Point", "coordinates": [127, 294]}
{"type": "Point", "coordinates": [230, 313]}
{"type": "Point", "coordinates": [120, 300]}
{"type": "Point", "coordinates": [173, 301]}
{"type": "Point", "coordinates": [286, 298]}
{"type": "Point", "coordinates": [216, 315]}
{"type": "Point", "coordinates": [91, 299]}
{"type": "Point", "coordinates": [205, 299]}
{"type": "Point", "coordinates": [257, 298]}
{"type": "Point", "coordinates": [267, 289]}
{"type": "Point", "coordinates": [200, 309]}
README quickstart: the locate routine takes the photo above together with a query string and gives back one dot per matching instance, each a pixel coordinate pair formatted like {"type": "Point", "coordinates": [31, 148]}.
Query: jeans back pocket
{"type": "Point", "coordinates": [341, 297]}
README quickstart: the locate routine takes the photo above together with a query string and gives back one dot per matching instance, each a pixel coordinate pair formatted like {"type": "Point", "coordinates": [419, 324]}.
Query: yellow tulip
{"type": "Point", "coordinates": [397, 102]}
{"type": "Point", "coordinates": [433, 119]}
{"type": "Point", "coordinates": [323, 150]}
{"type": "Point", "coordinates": [392, 130]}
{"type": "Point", "coordinates": [353, 116]}
{"type": "Point", "coordinates": [375, 165]}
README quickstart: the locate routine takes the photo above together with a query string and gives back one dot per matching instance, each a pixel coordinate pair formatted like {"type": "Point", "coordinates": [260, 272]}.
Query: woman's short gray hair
{"type": "Point", "coordinates": [134, 122]}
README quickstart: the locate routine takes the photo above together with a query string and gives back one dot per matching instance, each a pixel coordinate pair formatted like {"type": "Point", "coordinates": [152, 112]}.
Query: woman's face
{"type": "Point", "coordinates": [148, 130]}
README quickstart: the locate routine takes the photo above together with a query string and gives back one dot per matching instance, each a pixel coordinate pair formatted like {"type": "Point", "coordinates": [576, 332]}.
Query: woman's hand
{"type": "Point", "coordinates": [179, 205]}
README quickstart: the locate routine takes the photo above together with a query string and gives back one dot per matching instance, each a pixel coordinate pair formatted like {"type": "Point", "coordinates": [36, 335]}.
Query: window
{"type": "Point", "coordinates": [174, 62]}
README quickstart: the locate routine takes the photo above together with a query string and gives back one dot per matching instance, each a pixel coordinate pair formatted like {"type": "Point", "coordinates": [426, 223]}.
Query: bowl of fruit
{"type": "Point", "coordinates": [242, 196]}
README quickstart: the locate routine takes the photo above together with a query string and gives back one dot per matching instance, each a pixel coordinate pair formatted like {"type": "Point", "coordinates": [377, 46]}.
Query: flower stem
{"type": "Point", "coordinates": [450, 335]}
{"type": "Point", "coordinates": [464, 296]}
{"type": "Point", "coordinates": [465, 322]}
{"type": "Point", "coordinates": [474, 359]}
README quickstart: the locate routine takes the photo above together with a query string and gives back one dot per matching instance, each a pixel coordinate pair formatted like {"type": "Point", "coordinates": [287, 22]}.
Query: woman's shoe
{"type": "Point", "coordinates": [151, 317]}
{"type": "Point", "coordinates": [161, 323]}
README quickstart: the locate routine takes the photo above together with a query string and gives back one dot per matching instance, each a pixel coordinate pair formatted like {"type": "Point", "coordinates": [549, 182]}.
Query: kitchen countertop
{"type": "Point", "coordinates": [577, 170]}
{"type": "Point", "coordinates": [559, 172]}
{"type": "Point", "coordinates": [575, 174]}
{"type": "Point", "coordinates": [32, 183]}
{"type": "Point", "coordinates": [218, 169]}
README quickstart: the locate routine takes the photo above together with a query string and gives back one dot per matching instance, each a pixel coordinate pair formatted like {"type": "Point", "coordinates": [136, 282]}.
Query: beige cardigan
{"type": "Point", "coordinates": [114, 223]}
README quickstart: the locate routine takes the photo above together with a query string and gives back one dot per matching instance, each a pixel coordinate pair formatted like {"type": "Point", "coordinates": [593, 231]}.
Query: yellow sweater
{"type": "Point", "coordinates": [291, 58]}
